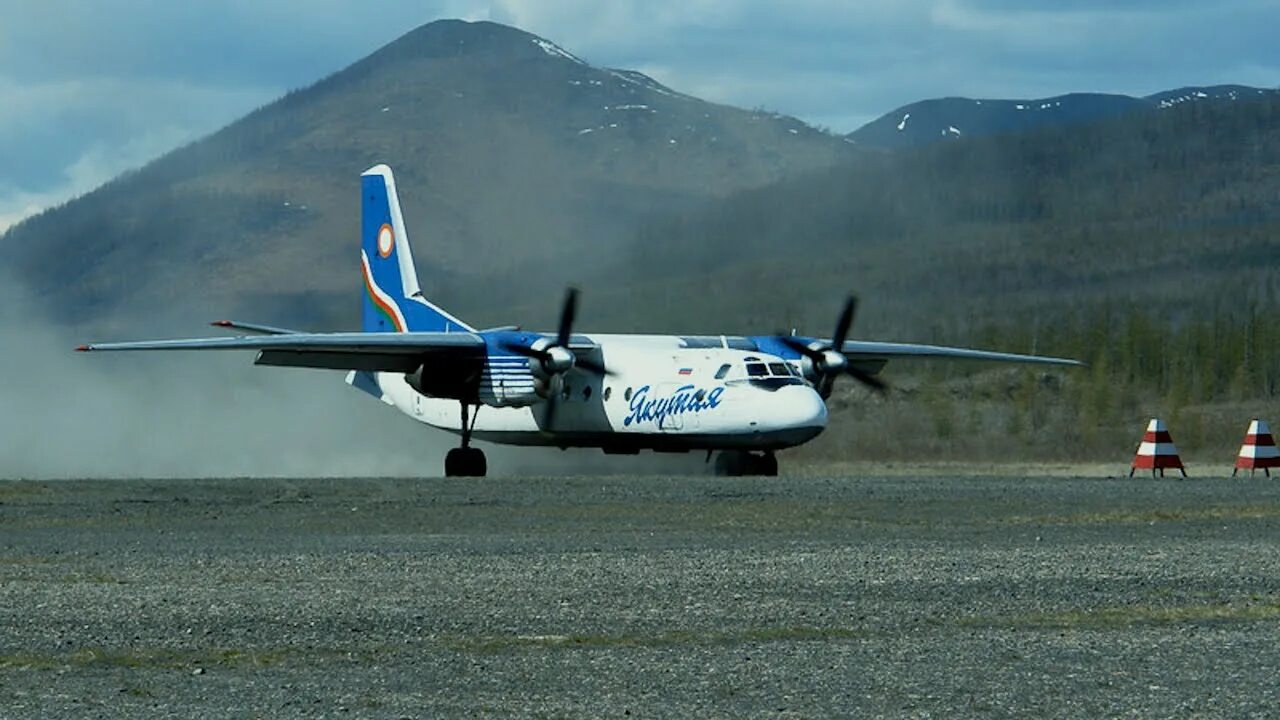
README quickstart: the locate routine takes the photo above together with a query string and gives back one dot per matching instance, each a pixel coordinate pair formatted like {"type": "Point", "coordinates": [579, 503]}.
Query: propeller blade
{"type": "Point", "coordinates": [869, 380]}
{"type": "Point", "coordinates": [801, 348]}
{"type": "Point", "coordinates": [826, 384]}
{"type": "Point", "coordinates": [593, 367]}
{"type": "Point", "coordinates": [552, 404]}
{"type": "Point", "coordinates": [843, 325]}
{"type": "Point", "coordinates": [567, 314]}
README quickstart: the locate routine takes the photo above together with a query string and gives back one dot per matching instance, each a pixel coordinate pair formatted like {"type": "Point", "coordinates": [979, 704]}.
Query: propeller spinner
{"type": "Point", "coordinates": [828, 360]}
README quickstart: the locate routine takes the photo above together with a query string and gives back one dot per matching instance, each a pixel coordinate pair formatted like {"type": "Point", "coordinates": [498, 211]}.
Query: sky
{"type": "Point", "coordinates": [93, 88]}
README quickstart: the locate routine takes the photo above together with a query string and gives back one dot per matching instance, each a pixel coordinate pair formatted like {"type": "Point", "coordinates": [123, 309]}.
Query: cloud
{"type": "Point", "coordinates": [204, 42]}
{"type": "Point", "coordinates": [96, 164]}
{"type": "Point", "coordinates": [824, 60]}
{"type": "Point", "coordinates": [93, 89]}
{"type": "Point", "coordinates": [63, 138]}
{"type": "Point", "coordinates": [76, 76]}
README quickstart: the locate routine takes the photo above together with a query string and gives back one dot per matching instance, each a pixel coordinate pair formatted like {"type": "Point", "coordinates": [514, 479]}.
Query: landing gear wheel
{"type": "Point", "coordinates": [465, 462]}
{"type": "Point", "coordinates": [731, 463]}
{"type": "Point", "coordinates": [736, 463]}
{"type": "Point", "coordinates": [766, 465]}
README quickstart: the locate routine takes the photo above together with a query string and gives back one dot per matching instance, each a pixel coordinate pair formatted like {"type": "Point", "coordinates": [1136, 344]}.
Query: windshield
{"type": "Point", "coordinates": [765, 375]}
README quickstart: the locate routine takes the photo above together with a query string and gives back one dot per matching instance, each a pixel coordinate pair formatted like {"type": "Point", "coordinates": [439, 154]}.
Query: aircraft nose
{"type": "Point", "coordinates": [805, 408]}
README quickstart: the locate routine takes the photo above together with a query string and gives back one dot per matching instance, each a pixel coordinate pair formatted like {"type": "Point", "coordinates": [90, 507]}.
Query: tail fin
{"type": "Point", "coordinates": [393, 301]}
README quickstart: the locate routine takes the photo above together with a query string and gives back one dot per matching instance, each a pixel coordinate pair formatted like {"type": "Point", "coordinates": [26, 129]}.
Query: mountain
{"type": "Point", "coordinates": [930, 121]}
{"type": "Point", "coordinates": [524, 169]}
{"type": "Point", "coordinates": [520, 166]}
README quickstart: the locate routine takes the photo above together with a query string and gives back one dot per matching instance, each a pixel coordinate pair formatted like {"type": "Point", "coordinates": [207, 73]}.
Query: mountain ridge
{"type": "Point", "coordinates": [936, 119]}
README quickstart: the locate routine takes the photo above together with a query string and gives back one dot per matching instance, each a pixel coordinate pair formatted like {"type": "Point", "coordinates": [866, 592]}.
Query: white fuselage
{"type": "Point", "coordinates": [659, 395]}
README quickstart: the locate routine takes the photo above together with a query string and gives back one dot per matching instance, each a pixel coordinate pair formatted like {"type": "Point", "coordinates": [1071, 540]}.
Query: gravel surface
{"type": "Point", "coordinates": [644, 596]}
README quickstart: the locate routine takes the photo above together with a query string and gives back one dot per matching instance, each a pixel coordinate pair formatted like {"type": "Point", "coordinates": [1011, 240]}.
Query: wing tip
{"type": "Point", "coordinates": [83, 348]}
{"type": "Point", "coordinates": [222, 323]}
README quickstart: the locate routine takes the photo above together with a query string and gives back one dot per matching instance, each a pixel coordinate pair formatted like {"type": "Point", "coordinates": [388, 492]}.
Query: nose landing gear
{"type": "Point", "coordinates": [466, 461]}
{"type": "Point", "coordinates": [736, 463]}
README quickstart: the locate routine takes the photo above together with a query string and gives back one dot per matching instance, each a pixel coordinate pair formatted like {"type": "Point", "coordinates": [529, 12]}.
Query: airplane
{"type": "Point", "coordinates": [743, 397]}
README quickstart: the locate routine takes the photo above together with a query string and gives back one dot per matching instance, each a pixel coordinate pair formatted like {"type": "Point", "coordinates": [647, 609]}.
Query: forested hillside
{"type": "Point", "coordinates": [1176, 213]}
{"type": "Point", "coordinates": [1148, 246]}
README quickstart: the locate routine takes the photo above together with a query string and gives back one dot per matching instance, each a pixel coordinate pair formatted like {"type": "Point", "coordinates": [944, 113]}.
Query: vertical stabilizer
{"type": "Point", "coordinates": [393, 300]}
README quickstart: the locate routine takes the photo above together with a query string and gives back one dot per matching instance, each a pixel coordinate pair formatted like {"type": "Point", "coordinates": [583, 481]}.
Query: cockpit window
{"type": "Point", "coordinates": [757, 369]}
{"type": "Point", "coordinates": [724, 370]}
{"type": "Point", "coordinates": [779, 369]}
{"type": "Point", "coordinates": [773, 383]}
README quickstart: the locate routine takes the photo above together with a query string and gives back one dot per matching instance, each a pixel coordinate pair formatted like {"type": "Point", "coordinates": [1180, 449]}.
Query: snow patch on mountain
{"type": "Point", "coordinates": [555, 50]}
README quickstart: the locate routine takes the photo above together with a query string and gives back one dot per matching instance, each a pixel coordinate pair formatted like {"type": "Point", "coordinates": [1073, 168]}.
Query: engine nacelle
{"type": "Point", "coordinates": [453, 382]}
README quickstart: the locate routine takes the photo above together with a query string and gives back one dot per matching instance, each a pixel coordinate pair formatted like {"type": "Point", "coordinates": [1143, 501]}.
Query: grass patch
{"type": "Point", "coordinates": [1131, 615]}
{"type": "Point", "coordinates": [153, 658]}
{"type": "Point", "coordinates": [14, 490]}
{"type": "Point", "coordinates": [25, 560]}
{"type": "Point", "coordinates": [678, 638]}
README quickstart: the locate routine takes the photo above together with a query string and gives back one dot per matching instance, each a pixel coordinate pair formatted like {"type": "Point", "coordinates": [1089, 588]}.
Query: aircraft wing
{"type": "Point", "coordinates": [861, 350]}
{"type": "Point", "coordinates": [398, 352]}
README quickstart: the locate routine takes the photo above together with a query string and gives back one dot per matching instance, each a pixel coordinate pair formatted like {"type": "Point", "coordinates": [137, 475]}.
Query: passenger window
{"type": "Point", "coordinates": [724, 370]}
{"type": "Point", "coordinates": [779, 369]}
{"type": "Point", "coordinates": [607, 392]}
{"type": "Point", "coordinates": [757, 370]}
{"type": "Point", "coordinates": [586, 393]}
{"type": "Point", "coordinates": [627, 395]}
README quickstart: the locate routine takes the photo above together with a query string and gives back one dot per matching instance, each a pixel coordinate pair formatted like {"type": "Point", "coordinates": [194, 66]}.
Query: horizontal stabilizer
{"type": "Point", "coordinates": [254, 328]}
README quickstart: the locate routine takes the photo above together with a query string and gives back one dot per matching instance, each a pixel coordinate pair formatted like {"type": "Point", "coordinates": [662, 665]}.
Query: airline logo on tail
{"type": "Point", "coordinates": [386, 240]}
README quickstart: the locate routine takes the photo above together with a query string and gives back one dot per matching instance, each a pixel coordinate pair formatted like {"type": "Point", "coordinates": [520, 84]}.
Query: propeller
{"type": "Point", "coordinates": [556, 359]}
{"type": "Point", "coordinates": [828, 360]}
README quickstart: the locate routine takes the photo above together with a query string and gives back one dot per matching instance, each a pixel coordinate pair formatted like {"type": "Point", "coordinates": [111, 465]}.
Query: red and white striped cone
{"type": "Point", "coordinates": [1258, 451]}
{"type": "Point", "coordinates": [1157, 451]}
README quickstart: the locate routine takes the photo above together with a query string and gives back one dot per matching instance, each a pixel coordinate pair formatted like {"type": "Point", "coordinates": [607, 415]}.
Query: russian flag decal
{"type": "Point", "coordinates": [686, 371]}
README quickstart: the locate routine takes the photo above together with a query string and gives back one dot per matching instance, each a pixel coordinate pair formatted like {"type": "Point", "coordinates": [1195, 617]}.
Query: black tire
{"type": "Point", "coordinates": [455, 463]}
{"type": "Point", "coordinates": [766, 465]}
{"type": "Point", "coordinates": [733, 463]}
{"type": "Point", "coordinates": [465, 462]}
{"type": "Point", "coordinates": [477, 466]}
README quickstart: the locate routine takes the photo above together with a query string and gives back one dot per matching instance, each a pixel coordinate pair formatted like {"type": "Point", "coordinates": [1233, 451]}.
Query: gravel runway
{"type": "Point", "coordinates": [640, 596]}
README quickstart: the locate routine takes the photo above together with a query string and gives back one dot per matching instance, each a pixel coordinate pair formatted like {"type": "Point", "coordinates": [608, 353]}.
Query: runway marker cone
{"type": "Point", "coordinates": [1258, 451]}
{"type": "Point", "coordinates": [1156, 451]}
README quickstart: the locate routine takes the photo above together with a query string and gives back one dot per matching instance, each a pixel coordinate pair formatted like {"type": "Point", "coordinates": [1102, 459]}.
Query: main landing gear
{"type": "Point", "coordinates": [466, 461]}
{"type": "Point", "coordinates": [735, 463]}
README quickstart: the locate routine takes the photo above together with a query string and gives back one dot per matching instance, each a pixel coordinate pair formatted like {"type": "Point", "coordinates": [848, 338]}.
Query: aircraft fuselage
{"type": "Point", "coordinates": [659, 395]}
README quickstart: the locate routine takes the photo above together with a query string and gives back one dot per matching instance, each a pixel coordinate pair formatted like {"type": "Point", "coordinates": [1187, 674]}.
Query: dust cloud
{"type": "Point", "coordinates": [213, 414]}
